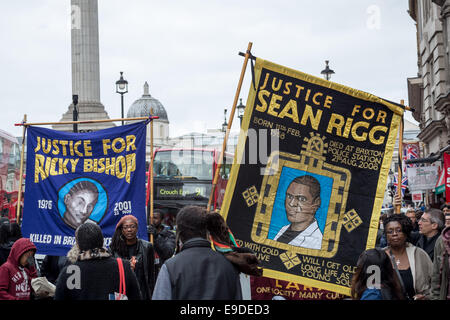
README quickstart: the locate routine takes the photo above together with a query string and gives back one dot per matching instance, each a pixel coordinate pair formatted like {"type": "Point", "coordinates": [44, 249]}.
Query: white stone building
{"type": "Point", "coordinates": [429, 92]}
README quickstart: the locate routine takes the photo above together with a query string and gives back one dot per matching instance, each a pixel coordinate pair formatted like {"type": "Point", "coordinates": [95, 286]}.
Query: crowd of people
{"type": "Point", "coordinates": [417, 245]}
{"type": "Point", "coordinates": [181, 264]}
{"type": "Point", "coordinates": [199, 259]}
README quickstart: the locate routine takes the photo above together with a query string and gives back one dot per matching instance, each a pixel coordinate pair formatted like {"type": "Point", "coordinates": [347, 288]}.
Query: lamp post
{"type": "Point", "coordinates": [122, 88]}
{"type": "Point", "coordinates": [241, 109]}
{"type": "Point", "coordinates": [225, 124]}
{"type": "Point", "coordinates": [75, 112]}
{"type": "Point", "coordinates": [327, 71]}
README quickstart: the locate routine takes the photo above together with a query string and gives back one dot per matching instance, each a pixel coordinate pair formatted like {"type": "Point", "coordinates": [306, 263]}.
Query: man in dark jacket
{"type": "Point", "coordinates": [95, 275]}
{"type": "Point", "coordinates": [196, 272]}
{"type": "Point", "coordinates": [163, 238]}
{"type": "Point", "coordinates": [430, 226]}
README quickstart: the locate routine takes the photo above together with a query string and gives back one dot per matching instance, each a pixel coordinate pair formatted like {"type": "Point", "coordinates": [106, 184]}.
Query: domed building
{"type": "Point", "coordinates": [143, 108]}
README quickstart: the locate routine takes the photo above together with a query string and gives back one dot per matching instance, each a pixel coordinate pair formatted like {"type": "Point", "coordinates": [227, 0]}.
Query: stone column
{"type": "Point", "coordinates": [85, 67]}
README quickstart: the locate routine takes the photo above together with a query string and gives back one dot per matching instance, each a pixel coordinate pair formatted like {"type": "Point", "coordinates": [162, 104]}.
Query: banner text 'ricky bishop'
{"type": "Point", "coordinates": [48, 165]}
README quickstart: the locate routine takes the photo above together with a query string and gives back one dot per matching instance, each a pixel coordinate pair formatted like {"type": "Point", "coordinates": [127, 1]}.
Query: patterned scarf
{"type": "Point", "coordinates": [96, 253]}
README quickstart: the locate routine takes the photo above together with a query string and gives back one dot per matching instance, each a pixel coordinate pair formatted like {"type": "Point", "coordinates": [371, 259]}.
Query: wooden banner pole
{"type": "Point", "coordinates": [22, 153]}
{"type": "Point", "coordinates": [398, 206]}
{"type": "Point", "coordinates": [83, 121]}
{"type": "Point", "coordinates": [150, 182]}
{"type": "Point", "coordinates": [230, 122]}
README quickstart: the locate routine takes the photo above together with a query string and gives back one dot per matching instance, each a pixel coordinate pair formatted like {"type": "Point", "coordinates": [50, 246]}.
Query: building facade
{"type": "Point", "coordinates": [429, 91]}
{"type": "Point", "coordinates": [146, 106]}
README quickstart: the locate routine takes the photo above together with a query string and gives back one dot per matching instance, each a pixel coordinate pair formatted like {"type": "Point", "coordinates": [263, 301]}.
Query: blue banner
{"type": "Point", "coordinates": [76, 178]}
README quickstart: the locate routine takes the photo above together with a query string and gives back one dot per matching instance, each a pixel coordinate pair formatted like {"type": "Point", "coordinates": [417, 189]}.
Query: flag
{"type": "Point", "coordinates": [309, 144]}
{"type": "Point", "coordinates": [411, 151]}
{"type": "Point", "coordinates": [75, 178]}
{"type": "Point", "coordinates": [404, 183]}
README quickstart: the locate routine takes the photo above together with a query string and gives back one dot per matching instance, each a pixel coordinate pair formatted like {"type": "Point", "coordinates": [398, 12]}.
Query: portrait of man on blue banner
{"type": "Point", "coordinates": [76, 178]}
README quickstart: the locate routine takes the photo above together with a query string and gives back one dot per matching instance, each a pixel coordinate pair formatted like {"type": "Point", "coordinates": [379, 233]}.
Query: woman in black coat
{"type": "Point", "coordinates": [95, 275]}
{"type": "Point", "coordinates": [138, 252]}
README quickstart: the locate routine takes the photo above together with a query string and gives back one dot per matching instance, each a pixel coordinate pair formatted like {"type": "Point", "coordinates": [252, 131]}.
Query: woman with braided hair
{"type": "Point", "coordinates": [223, 241]}
{"type": "Point", "coordinates": [126, 245]}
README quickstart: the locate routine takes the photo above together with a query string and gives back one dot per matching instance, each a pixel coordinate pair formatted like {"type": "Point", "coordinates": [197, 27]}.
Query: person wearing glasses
{"type": "Point", "coordinates": [430, 226]}
{"type": "Point", "coordinates": [126, 245]}
{"type": "Point", "coordinates": [412, 263]}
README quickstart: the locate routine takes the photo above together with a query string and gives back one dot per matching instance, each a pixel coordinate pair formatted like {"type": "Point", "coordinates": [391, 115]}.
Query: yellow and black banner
{"type": "Point", "coordinates": [309, 175]}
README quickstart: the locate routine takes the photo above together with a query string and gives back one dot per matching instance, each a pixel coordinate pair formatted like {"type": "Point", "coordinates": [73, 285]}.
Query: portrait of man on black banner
{"type": "Point", "coordinates": [301, 203]}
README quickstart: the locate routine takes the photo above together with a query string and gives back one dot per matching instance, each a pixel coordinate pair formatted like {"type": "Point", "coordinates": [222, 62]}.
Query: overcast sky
{"type": "Point", "coordinates": [188, 52]}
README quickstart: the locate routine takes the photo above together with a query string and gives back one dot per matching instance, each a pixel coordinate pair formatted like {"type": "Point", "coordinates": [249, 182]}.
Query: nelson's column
{"type": "Point", "coordinates": [85, 68]}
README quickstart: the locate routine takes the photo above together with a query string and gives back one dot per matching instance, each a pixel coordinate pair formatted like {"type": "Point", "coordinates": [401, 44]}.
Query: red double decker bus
{"type": "Point", "coordinates": [9, 175]}
{"type": "Point", "coordinates": [184, 177]}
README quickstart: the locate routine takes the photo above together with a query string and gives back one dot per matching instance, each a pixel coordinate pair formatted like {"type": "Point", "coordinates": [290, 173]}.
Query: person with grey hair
{"type": "Point", "coordinates": [430, 226]}
{"type": "Point", "coordinates": [95, 273]}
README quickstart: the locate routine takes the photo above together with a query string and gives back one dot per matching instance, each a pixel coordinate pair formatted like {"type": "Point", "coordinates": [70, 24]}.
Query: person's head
{"type": "Point", "coordinates": [302, 199]}
{"type": "Point", "coordinates": [191, 223]}
{"type": "Point", "coordinates": [27, 258]}
{"type": "Point", "coordinates": [397, 228]}
{"type": "Point", "coordinates": [128, 227]}
{"type": "Point", "coordinates": [158, 217]}
{"type": "Point", "coordinates": [446, 211]}
{"type": "Point", "coordinates": [22, 253]}
{"type": "Point", "coordinates": [431, 222]}
{"type": "Point", "coordinates": [370, 262]}
{"type": "Point", "coordinates": [15, 231]}
{"type": "Point", "coordinates": [89, 236]}
{"type": "Point", "coordinates": [447, 220]}
{"type": "Point", "coordinates": [383, 217]}
{"type": "Point", "coordinates": [411, 214]}
{"type": "Point", "coordinates": [218, 228]}
{"type": "Point", "coordinates": [80, 202]}
{"type": "Point", "coordinates": [126, 232]}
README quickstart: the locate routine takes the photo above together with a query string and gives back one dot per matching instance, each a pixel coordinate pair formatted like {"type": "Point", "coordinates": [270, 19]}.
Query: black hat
{"type": "Point", "coordinates": [89, 236]}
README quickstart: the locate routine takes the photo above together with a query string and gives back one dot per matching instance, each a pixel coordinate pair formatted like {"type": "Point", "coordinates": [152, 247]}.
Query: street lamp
{"type": "Point", "coordinates": [75, 112]}
{"type": "Point", "coordinates": [122, 88]}
{"type": "Point", "coordinates": [225, 124]}
{"type": "Point", "coordinates": [327, 71]}
{"type": "Point", "coordinates": [241, 109]}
